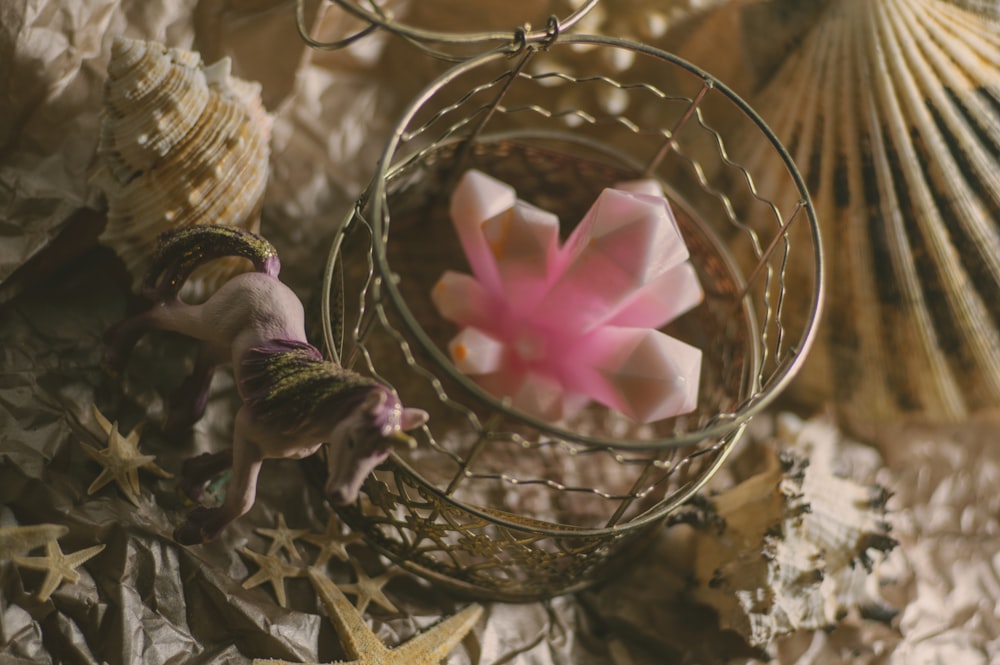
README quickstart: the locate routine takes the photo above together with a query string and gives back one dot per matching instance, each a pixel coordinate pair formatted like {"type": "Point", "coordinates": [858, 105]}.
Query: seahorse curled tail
{"type": "Point", "coordinates": [179, 252]}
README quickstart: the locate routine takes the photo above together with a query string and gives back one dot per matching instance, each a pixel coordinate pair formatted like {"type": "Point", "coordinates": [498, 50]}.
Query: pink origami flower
{"type": "Point", "coordinates": [552, 327]}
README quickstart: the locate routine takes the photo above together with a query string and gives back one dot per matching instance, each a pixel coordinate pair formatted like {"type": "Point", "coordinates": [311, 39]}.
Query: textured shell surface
{"type": "Point", "coordinates": [891, 109]}
{"type": "Point", "coordinates": [798, 541]}
{"type": "Point", "coordinates": [180, 144]}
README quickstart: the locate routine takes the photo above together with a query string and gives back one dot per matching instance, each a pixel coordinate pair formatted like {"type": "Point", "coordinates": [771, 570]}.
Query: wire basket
{"type": "Point", "coordinates": [498, 504]}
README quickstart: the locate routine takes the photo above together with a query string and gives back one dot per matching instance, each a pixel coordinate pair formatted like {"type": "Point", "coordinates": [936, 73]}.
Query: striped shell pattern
{"type": "Point", "coordinates": [891, 108]}
{"type": "Point", "coordinates": [180, 144]}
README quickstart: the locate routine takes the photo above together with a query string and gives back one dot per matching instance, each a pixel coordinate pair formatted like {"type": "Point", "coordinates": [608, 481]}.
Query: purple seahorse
{"type": "Point", "coordinates": [294, 401]}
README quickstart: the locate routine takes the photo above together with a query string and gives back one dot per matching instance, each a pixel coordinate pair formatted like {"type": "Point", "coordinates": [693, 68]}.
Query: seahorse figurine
{"type": "Point", "coordinates": [294, 400]}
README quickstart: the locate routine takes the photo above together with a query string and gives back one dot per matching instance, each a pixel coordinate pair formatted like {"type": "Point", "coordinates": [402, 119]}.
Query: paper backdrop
{"type": "Point", "coordinates": [144, 599]}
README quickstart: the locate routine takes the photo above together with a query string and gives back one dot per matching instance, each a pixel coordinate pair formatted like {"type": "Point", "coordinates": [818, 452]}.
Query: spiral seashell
{"type": "Point", "coordinates": [180, 144]}
{"type": "Point", "coordinates": [892, 111]}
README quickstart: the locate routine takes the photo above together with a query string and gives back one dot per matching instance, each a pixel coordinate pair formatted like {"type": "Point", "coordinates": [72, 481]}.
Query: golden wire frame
{"type": "Point", "coordinates": [496, 503]}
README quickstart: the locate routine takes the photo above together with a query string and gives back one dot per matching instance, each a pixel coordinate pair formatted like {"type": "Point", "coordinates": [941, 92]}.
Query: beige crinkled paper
{"type": "Point", "coordinates": [143, 599]}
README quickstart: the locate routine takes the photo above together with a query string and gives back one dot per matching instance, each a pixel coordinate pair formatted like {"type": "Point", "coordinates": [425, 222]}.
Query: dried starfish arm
{"type": "Point", "coordinates": [283, 538]}
{"type": "Point", "coordinates": [272, 570]}
{"type": "Point", "coordinates": [15, 540]}
{"type": "Point", "coordinates": [361, 644]}
{"type": "Point", "coordinates": [58, 566]}
{"type": "Point", "coordinates": [369, 589]}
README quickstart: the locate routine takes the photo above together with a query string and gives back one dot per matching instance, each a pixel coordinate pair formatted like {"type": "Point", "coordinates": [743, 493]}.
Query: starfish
{"type": "Point", "coordinates": [369, 589]}
{"type": "Point", "coordinates": [131, 441]}
{"type": "Point", "coordinates": [283, 538]}
{"type": "Point", "coordinates": [16, 540]}
{"type": "Point", "coordinates": [273, 570]}
{"type": "Point", "coordinates": [332, 542]}
{"type": "Point", "coordinates": [59, 567]}
{"type": "Point", "coordinates": [121, 460]}
{"type": "Point", "coordinates": [364, 646]}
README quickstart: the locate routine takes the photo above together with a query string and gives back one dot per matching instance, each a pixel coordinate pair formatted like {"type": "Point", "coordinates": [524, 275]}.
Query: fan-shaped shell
{"type": "Point", "coordinates": [180, 144]}
{"type": "Point", "coordinates": [892, 111]}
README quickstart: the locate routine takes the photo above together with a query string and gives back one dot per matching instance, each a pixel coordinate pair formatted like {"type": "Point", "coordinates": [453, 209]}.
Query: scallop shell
{"type": "Point", "coordinates": [180, 144]}
{"type": "Point", "coordinates": [892, 111]}
{"type": "Point", "coordinates": [798, 541]}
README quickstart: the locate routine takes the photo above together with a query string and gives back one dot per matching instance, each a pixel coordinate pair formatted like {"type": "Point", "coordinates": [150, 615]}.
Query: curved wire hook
{"type": "Point", "coordinates": [377, 18]}
{"type": "Point", "coordinates": [552, 30]}
{"type": "Point", "coordinates": [300, 24]}
{"type": "Point", "coordinates": [520, 41]}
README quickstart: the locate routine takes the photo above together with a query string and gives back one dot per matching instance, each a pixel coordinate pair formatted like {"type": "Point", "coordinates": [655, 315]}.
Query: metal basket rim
{"type": "Point", "coordinates": [724, 423]}
{"type": "Point", "coordinates": [547, 528]}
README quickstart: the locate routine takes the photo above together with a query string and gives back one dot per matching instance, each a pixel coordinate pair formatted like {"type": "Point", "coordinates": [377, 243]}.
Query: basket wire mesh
{"type": "Point", "coordinates": [494, 502]}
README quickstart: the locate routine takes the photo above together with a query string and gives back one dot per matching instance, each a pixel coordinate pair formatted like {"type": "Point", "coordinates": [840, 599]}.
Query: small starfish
{"type": "Point", "coordinates": [362, 644]}
{"type": "Point", "coordinates": [273, 570]}
{"type": "Point", "coordinates": [59, 567]}
{"type": "Point", "coordinates": [332, 542]}
{"type": "Point", "coordinates": [283, 538]}
{"type": "Point", "coordinates": [16, 540]}
{"type": "Point", "coordinates": [121, 460]}
{"type": "Point", "coordinates": [369, 589]}
{"type": "Point", "coordinates": [132, 441]}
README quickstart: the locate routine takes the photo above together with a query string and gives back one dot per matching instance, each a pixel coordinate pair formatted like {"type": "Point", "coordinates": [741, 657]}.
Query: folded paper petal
{"type": "Point", "coordinates": [476, 352]}
{"type": "Point", "coordinates": [524, 241]}
{"type": "Point", "coordinates": [550, 328]}
{"type": "Point", "coordinates": [624, 242]}
{"type": "Point", "coordinates": [635, 230]}
{"type": "Point", "coordinates": [541, 395]}
{"type": "Point", "coordinates": [463, 299]}
{"type": "Point", "coordinates": [643, 373]}
{"type": "Point", "coordinates": [477, 198]}
{"type": "Point", "coordinates": [675, 292]}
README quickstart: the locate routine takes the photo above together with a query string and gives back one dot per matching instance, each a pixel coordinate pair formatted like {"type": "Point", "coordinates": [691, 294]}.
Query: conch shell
{"type": "Point", "coordinates": [180, 144]}
{"type": "Point", "coordinates": [793, 547]}
{"type": "Point", "coordinates": [892, 111]}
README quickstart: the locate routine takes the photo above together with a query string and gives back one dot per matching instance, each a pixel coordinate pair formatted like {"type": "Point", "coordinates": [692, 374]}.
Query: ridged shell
{"type": "Point", "coordinates": [797, 543]}
{"type": "Point", "coordinates": [892, 111]}
{"type": "Point", "coordinates": [180, 144]}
